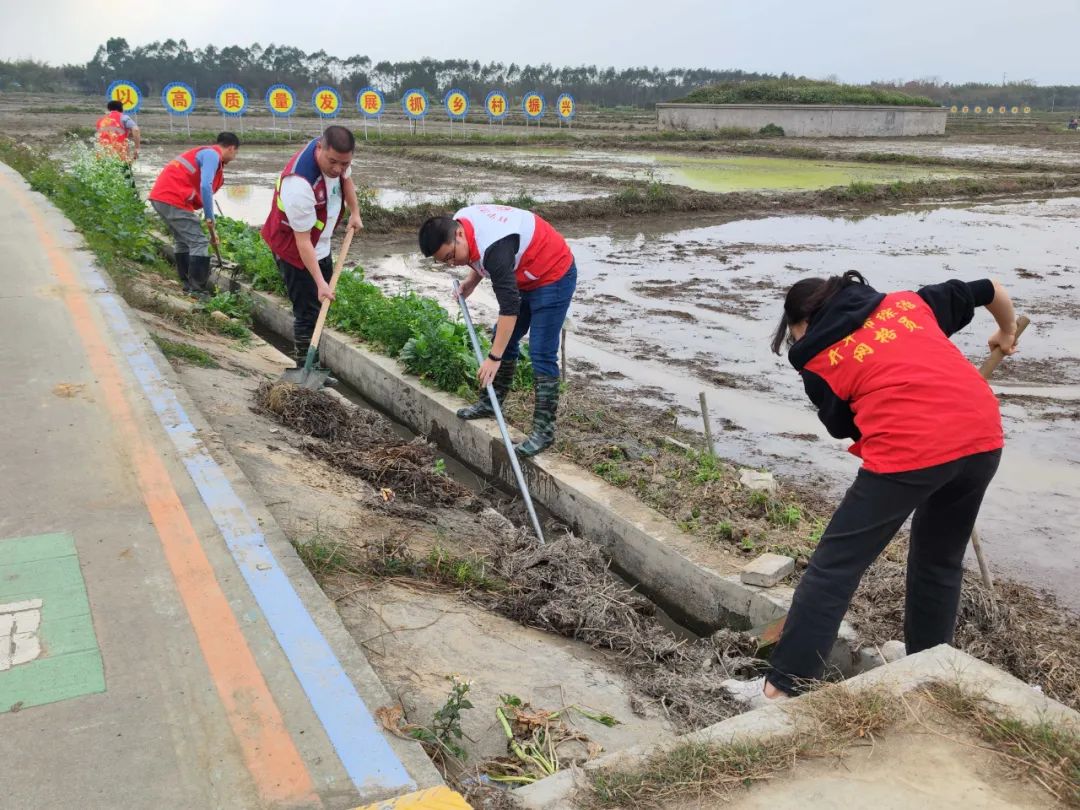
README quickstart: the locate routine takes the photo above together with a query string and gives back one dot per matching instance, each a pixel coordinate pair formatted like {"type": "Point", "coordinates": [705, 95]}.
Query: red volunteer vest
{"type": "Point", "coordinates": [276, 231]}
{"type": "Point", "coordinates": [917, 400]}
{"type": "Point", "coordinates": [543, 256]}
{"type": "Point", "coordinates": [111, 135]}
{"type": "Point", "coordinates": [179, 182]}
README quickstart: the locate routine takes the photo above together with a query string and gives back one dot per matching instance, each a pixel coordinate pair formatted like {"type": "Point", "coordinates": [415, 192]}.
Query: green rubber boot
{"type": "Point", "coordinates": [543, 430]}
{"type": "Point", "coordinates": [481, 409]}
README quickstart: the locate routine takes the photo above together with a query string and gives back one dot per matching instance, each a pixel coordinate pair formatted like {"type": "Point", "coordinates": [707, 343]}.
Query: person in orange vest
{"type": "Point", "coordinates": [533, 275]}
{"type": "Point", "coordinates": [186, 183]}
{"type": "Point", "coordinates": [306, 207]}
{"type": "Point", "coordinates": [118, 134]}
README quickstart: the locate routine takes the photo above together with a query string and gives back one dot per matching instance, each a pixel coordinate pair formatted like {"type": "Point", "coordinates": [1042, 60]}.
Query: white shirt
{"type": "Point", "coordinates": [299, 200]}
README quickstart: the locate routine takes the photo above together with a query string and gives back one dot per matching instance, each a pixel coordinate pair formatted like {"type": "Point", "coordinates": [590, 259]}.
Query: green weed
{"type": "Point", "coordinates": [612, 472]}
{"type": "Point", "coordinates": [444, 734]}
{"type": "Point", "coordinates": [184, 351]}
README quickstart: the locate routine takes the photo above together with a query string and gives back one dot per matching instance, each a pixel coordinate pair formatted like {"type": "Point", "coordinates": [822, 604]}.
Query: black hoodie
{"type": "Point", "coordinates": [881, 371]}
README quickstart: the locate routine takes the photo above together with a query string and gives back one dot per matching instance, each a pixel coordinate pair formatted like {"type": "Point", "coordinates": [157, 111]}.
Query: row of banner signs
{"type": "Point", "coordinates": [178, 98]}
{"type": "Point", "coordinates": [989, 109]}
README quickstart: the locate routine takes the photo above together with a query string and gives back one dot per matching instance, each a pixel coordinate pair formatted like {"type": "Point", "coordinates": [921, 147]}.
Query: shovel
{"type": "Point", "coordinates": [495, 406]}
{"type": "Point", "coordinates": [308, 376]}
{"type": "Point", "coordinates": [770, 634]}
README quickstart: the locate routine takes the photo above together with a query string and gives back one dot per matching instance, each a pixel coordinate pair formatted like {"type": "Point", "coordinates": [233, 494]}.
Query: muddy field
{"type": "Point", "coordinates": [694, 308]}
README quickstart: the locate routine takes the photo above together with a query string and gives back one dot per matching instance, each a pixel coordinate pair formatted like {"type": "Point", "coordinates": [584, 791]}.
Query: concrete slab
{"type": "Point", "coordinates": [940, 664]}
{"type": "Point", "coordinates": [767, 570]}
{"type": "Point", "coordinates": [214, 693]}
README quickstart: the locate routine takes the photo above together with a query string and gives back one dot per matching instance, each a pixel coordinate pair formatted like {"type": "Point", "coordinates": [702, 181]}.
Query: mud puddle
{"type": "Point", "coordinates": [718, 173]}
{"type": "Point", "coordinates": [694, 310]}
{"type": "Point", "coordinates": [390, 180]}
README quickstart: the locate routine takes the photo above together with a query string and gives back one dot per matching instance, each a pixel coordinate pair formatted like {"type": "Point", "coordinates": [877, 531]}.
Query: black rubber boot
{"type": "Point", "coordinates": [482, 409]}
{"type": "Point", "coordinates": [199, 274]}
{"type": "Point", "coordinates": [543, 430]}
{"type": "Point", "coordinates": [182, 269]}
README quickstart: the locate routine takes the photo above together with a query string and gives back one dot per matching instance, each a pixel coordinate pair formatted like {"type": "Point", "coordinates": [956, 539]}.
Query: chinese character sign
{"type": "Point", "coordinates": [1027, 110]}
{"type": "Point", "coordinates": [965, 109]}
{"type": "Point", "coordinates": [369, 102]}
{"type": "Point", "coordinates": [953, 109]}
{"type": "Point", "coordinates": [497, 105]}
{"type": "Point", "coordinates": [280, 100]}
{"type": "Point", "coordinates": [414, 104]}
{"type": "Point", "coordinates": [326, 101]}
{"type": "Point", "coordinates": [178, 98]}
{"type": "Point", "coordinates": [565, 107]}
{"type": "Point", "coordinates": [127, 93]}
{"type": "Point", "coordinates": [1001, 109]}
{"type": "Point", "coordinates": [232, 99]}
{"type": "Point", "coordinates": [533, 106]}
{"type": "Point", "coordinates": [457, 105]}
{"type": "Point", "coordinates": [978, 109]}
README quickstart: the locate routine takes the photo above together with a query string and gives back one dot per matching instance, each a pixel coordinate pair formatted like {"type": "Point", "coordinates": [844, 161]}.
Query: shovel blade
{"type": "Point", "coordinates": [305, 378]}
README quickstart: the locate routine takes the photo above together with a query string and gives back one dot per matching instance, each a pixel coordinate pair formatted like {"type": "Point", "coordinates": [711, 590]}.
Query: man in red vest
{"type": "Point", "coordinates": [533, 274]}
{"type": "Point", "coordinates": [188, 182]}
{"type": "Point", "coordinates": [116, 131]}
{"type": "Point", "coordinates": [306, 206]}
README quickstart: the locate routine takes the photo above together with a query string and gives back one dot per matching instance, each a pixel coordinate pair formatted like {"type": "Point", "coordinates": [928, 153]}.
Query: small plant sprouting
{"type": "Point", "coordinates": [445, 732]}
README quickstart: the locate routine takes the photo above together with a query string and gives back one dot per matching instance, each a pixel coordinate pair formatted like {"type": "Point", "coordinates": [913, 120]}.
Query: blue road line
{"type": "Point", "coordinates": [367, 756]}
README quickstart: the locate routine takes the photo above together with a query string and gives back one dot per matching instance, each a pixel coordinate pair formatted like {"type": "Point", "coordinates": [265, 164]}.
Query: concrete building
{"type": "Point", "coordinates": [806, 120]}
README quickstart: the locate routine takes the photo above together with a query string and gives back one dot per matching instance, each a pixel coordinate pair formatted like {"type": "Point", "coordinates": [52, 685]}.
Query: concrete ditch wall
{"type": "Point", "coordinates": [942, 664]}
{"type": "Point", "coordinates": [641, 543]}
{"type": "Point", "coordinates": [806, 120]}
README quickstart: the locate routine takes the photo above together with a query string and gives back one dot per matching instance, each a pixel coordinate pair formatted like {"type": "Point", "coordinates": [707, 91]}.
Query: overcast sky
{"type": "Point", "coordinates": [857, 40]}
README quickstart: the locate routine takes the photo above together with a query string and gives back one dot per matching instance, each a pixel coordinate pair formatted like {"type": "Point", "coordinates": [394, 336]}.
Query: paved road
{"type": "Point", "coordinates": [160, 645]}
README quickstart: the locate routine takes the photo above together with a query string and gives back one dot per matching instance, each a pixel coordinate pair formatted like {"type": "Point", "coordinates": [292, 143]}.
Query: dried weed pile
{"type": "Point", "coordinates": [563, 587]}
{"type": "Point", "coordinates": [1021, 631]}
{"type": "Point", "coordinates": [361, 443]}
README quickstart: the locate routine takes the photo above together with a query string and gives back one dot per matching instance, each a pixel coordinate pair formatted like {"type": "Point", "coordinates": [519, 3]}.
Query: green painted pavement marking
{"type": "Point", "coordinates": [46, 567]}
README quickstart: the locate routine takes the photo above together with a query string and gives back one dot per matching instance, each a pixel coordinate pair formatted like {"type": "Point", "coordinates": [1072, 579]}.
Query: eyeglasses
{"type": "Point", "coordinates": [448, 255]}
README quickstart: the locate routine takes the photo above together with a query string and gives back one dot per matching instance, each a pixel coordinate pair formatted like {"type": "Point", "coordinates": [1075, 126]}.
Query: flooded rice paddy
{"type": "Point", "coordinates": [713, 173]}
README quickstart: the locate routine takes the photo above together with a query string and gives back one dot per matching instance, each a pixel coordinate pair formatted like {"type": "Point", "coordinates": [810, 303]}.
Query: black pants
{"type": "Point", "coordinates": [946, 501]}
{"type": "Point", "coordinates": [305, 300]}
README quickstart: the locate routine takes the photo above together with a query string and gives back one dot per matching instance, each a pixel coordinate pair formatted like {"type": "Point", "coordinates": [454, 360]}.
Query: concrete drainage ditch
{"type": "Point", "coordinates": [667, 565]}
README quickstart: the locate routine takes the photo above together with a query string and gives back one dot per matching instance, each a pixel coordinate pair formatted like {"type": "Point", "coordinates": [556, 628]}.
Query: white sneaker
{"type": "Point", "coordinates": [752, 693]}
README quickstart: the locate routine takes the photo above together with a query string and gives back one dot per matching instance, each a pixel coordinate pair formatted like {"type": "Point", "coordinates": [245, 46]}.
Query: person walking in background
{"type": "Point", "coordinates": [118, 135]}
{"type": "Point", "coordinates": [187, 183]}
{"type": "Point", "coordinates": [882, 372]}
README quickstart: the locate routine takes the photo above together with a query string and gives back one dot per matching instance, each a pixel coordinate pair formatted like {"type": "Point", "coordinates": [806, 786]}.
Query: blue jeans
{"type": "Point", "coordinates": [542, 314]}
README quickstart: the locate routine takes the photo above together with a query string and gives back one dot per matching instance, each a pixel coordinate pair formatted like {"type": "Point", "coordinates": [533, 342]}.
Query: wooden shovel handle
{"type": "Point", "coordinates": [997, 355]}
{"type": "Point", "coordinates": [342, 253]}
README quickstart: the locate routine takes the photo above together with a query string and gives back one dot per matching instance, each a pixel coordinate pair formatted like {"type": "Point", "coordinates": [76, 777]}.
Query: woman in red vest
{"type": "Point", "coordinates": [188, 182]}
{"type": "Point", "coordinates": [533, 274]}
{"type": "Point", "coordinates": [882, 372]}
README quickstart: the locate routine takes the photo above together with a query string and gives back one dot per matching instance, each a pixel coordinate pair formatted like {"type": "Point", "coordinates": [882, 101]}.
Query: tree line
{"type": "Point", "coordinates": [256, 67]}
